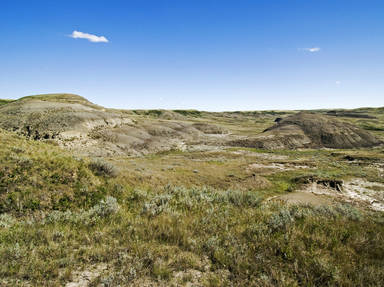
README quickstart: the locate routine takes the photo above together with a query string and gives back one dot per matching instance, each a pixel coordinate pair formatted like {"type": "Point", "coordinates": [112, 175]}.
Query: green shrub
{"type": "Point", "coordinates": [161, 270]}
{"type": "Point", "coordinates": [281, 220]}
{"type": "Point", "coordinates": [192, 113]}
{"type": "Point", "coordinates": [156, 205]}
{"type": "Point", "coordinates": [241, 198]}
{"type": "Point", "coordinates": [103, 168]}
{"type": "Point", "coordinates": [349, 211]}
{"type": "Point", "coordinates": [105, 208]}
{"type": "Point", "coordinates": [7, 220]}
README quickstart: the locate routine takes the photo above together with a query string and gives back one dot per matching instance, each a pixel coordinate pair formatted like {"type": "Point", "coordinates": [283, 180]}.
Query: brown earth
{"type": "Point", "coordinates": [79, 125]}
{"type": "Point", "coordinates": [309, 130]}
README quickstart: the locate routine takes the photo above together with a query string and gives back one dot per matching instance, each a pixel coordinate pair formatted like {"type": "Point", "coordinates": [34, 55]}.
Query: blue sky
{"type": "Point", "coordinates": [201, 54]}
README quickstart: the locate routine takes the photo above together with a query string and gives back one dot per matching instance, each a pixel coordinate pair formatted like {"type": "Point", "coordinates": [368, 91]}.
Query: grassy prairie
{"type": "Point", "coordinates": [178, 218]}
{"type": "Point", "coordinates": [201, 216]}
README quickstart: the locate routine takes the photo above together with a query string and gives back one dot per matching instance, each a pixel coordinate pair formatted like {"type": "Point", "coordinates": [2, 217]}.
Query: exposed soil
{"type": "Point", "coordinates": [347, 114]}
{"type": "Point", "coordinates": [78, 125]}
{"type": "Point", "coordinates": [272, 167]}
{"type": "Point", "coordinates": [357, 191]}
{"type": "Point", "coordinates": [266, 156]}
{"type": "Point", "coordinates": [307, 130]}
{"type": "Point", "coordinates": [304, 198]}
{"type": "Point", "coordinates": [85, 277]}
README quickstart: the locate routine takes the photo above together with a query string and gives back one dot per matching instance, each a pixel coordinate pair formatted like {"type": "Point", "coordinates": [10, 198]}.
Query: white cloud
{"type": "Point", "coordinates": [89, 37]}
{"type": "Point", "coordinates": [312, 50]}
{"type": "Point", "coordinates": [338, 83]}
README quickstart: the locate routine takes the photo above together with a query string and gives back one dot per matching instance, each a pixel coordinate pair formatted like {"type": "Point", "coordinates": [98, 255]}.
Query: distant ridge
{"type": "Point", "coordinates": [77, 124]}
{"type": "Point", "coordinates": [61, 98]}
{"type": "Point", "coordinates": [309, 130]}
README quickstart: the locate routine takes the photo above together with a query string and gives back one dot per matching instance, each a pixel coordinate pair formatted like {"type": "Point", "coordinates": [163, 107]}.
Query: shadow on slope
{"type": "Point", "coordinates": [307, 130]}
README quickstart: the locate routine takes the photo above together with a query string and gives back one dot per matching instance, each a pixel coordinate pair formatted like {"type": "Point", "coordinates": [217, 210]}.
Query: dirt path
{"type": "Point", "coordinates": [304, 198]}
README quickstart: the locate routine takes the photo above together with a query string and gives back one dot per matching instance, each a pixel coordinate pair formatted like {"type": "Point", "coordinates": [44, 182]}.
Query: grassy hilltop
{"type": "Point", "coordinates": [4, 102]}
{"type": "Point", "coordinates": [205, 215]}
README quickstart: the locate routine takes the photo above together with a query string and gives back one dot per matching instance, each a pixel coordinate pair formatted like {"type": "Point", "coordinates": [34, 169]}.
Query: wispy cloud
{"type": "Point", "coordinates": [338, 83]}
{"type": "Point", "coordinates": [312, 49]}
{"type": "Point", "coordinates": [89, 37]}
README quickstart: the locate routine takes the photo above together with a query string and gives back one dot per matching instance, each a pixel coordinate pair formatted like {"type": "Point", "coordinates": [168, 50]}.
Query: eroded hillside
{"type": "Point", "coordinates": [85, 128]}
{"type": "Point", "coordinates": [310, 130]}
{"type": "Point", "coordinates": [178, 198]}
{"type": "Point", "coordinates": [88, 129]}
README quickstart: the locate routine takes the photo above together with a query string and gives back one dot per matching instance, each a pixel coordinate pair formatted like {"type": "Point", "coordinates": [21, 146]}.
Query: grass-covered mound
{"type": "Point", "coordinates": [41, 176]}
{"type": "Point", "coordinates": [61, 98]}
{"type": "Point", "coordinates": [48, 116]}
{"type": "Point", "coordinates": [4, 102]}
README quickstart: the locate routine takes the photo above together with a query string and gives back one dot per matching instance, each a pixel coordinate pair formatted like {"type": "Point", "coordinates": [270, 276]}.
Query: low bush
{"type": "Point", "coordinates": [103, 168]}
{"type": "Point", "coordinates": [184, 199]}
{"type": "Point", "coordinates": [105, 208]}
{"type": "Point", "coordinates": [7, 220]}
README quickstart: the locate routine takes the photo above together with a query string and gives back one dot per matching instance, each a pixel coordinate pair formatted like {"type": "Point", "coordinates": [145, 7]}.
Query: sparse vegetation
{"type": "Point", "coordinates": [4, 102]}
{"type": "Point", "coordinates": [222, 240]}
{"type": "Point", "coordinates": [205, 216]}
{"type": "Point", "coordinates": [61, 98]}
{"type": "Point", "coordinates": [372, 126]}
{"type": "Point", "coordinates": [36, 176]}
{"type": "Point", "coordinates": [190, 113]}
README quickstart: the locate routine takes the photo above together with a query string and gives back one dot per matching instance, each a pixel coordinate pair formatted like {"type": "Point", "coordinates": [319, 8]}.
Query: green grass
{"type": "Point", "coordinates": [39, 176]}
{"type": "Point", "coordinates": [189, 113]}
{"type": "Point", "coordinates": [226, 237]}
{"type": "Point", "coordinates": [5, 101]}
{"type": "Point", "coordinates": [178, 217]}
{"type": "Point", "coordinates": [61, 97]}
{"type": "Point", "coordinates": [372, 127]}
{"type": "Point", "coordinates": [151, 113]}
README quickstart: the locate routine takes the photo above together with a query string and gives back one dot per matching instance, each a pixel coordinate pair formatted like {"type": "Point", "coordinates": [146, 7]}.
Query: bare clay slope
{"type": "Point", "coordinates": [55, 116]}
{"type": "Point", "coordinates": [79, 125]}
{"type": "Point", "coordinates": [309, 130]}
